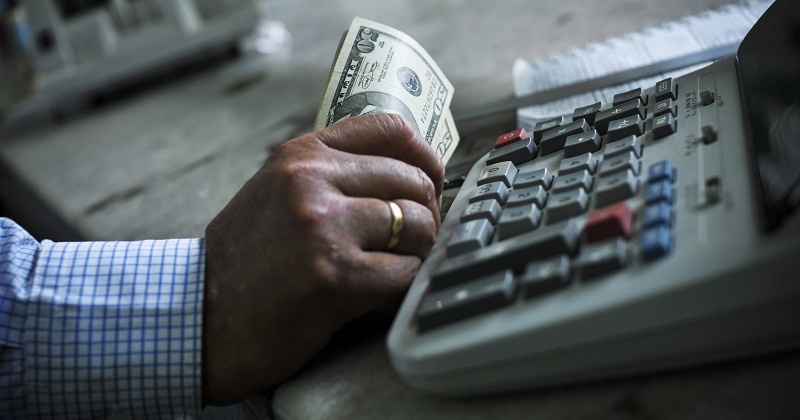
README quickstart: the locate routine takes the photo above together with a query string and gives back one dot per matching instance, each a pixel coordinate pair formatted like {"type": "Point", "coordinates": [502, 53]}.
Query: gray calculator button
{"type": "Point", "coordinates": [664, 125]}
{"type": "Point", "coordinates": [630, 95]}
{"type": "Point", "coordinates": [513, 253]}
{"type": "Point", "coordinates": [666, 88]}
{"type": "Point", "coordinates": [621, 111]}
{"type": "Point", "coordinates": [664, 107]}
{"type": "Point", "coordinates": [469, 299]}
{"type": "Point", "coordinates": [623, 145]}
{"type": "Point", "coordinates": [578, 144]}
{"type": "Point", "coordinates": [615, 188]}
{"type": "Point", "coordinates": [502, 171]}
{"type": "Point", "coordinates": [517, 220]}
{"type": "Point", "coordinates": [603, 257]}
{"type": "Point", "coordinates": [536, 195]}
{"type": "Point", "coordinates": [565, 205]}
{"type": "Point", "coordinates": [517, 152]}
{"type": "Point", "coordinates": [470, 236]}
{"type": "Point", "coordinates": [494, 190]}
{"type": "Point", "coordinates": [543, 177]}
{"type": "Point", "coordinates": [582, 179]}
{"type": "Point", "coordinates": [624, 127]}
{"type": "Point", "coordinates": [484, 209]}
{"type": "Point", "coordinates": [554, 140]}
{"type": "Point", "coordinates": [582, 162]}
{"type": "Point", "coordinates": [545, 275]}
{"type": "Point", "coordinates": [620, 163]}
{"type": "Point", "coordinates": [586, 112]}
{"type": "Point", "coordinates": [546, 125]}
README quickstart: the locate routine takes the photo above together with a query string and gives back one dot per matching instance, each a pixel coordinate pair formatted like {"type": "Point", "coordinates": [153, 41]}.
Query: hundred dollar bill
{"type": "Point", "coordinates": [381, 70]}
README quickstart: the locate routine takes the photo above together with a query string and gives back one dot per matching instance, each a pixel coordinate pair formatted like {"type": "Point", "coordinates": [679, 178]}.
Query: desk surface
{"type": "Point", "coordinates": [163, 161]}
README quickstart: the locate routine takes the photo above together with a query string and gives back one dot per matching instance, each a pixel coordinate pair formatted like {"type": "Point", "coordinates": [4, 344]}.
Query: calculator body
{"type": "Point", "coordinates": [714, 282]}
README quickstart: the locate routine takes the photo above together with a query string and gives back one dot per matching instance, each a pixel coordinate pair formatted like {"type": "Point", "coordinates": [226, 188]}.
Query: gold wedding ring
{"type": "Point", "coordinates": [397, 224]}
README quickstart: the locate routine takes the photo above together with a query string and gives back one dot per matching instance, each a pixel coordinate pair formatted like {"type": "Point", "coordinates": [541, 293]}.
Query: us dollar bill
{"type": "Point", "coordinates": [379, 69]}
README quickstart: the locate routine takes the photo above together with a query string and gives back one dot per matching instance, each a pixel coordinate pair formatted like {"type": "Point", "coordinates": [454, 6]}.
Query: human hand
{"type": "Point", "coordinates": [300, 250]}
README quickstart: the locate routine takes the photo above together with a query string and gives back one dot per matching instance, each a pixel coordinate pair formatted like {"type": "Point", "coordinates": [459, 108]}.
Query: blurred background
{"type": "Point", "coordinates": [154, 112]}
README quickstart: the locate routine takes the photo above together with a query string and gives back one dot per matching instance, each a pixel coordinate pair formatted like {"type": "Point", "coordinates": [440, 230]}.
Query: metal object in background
{"type": "Point", "coordinates": [82, 47]}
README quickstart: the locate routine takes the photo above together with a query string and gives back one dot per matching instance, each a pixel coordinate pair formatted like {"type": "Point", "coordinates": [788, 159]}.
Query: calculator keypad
{"type": "Point", "coordinates": [532, 229]}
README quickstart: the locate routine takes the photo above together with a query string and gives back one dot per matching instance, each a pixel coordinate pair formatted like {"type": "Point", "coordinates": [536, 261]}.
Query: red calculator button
{"type": "Point", "coordinates": [511, 137]}
{"type": "Point", "coordinates": [609, 222]}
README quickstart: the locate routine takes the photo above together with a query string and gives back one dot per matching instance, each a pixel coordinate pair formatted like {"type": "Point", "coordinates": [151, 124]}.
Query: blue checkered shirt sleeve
{"type": "Point", "coordinates": [95, 329]}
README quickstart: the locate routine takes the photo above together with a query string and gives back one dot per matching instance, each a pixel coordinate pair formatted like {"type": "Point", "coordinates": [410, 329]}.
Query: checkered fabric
{"type": "Point", "coordinates": [99, 329]}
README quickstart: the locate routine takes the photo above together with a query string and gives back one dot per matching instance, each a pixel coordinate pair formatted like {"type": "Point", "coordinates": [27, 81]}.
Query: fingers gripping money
{"type": "Point", "coordinates": [381, 70]}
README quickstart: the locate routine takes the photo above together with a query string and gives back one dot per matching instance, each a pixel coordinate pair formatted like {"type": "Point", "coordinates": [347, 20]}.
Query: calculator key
{"type": "Point", "coordinates": [584, 162]}
{"type": "Point", "coordinates": [513, 253]}
{"type": "Point", "coordinates": [657, 214]}
{"type": "Point", "coordinates": [518, 220]}
{"type": "Point", "coordinates": [536, 195]}
{"type": "Point", "coordinates": [553, 140]}
{"type": "Point", "coordinates": [474, 297]}
{"type": "Point", "coordinates": [586, 112]}
{"type": "Point", "coordinates": [666, 89]}
{"type": "Point", "coordinates": [604, 257]}
{"type": "Point", "coordinates": [617, 112]}
{"type": "Point", "coordinates": [502, 171]}
{"type": "Point", "coordinates": [565, 205]}
{"type": "Point", "coordinates": [494, 190]}
{"type": "Point", "coordinates": [664, 125]}
{"type": "Point", "coordinates": [609, 222]}
{"type": "Point", "coordinates": [707, 97]}
{"type": "Point", "coordinates": [518, 152]}
{"type": "Point", "coordinates": [623, 145]}
{"type": "Point", "coordinates": [665, 107]}
{"type": "Point", "coordinates": [615, 188]}
{"type": "Point", "coordinates": [629, 96]}
{"type": "Point", "coordinates": [546, 125]}
{"type": "Point", "coordinates": [546, 275]}
{"type": "Point", "coordinates": [485, 209]}
{"type": "Point", "coordinates": [582, 179]}
{"type": "Point", "coordinates": [578, 144]}
{"type": "Point", "coordinates": [620, 163]}
{"type": "Point", "coordinates": [708, 133]}
{"type": "Point", "coordinates": [656, 242]}
{"type": "Point", "coordinates": [510, 137]}
{"type": "Point", "coordinates": [469, 236]}
{"type": "Point", "coordinates": [628, 126]}
{"type": "Point", "coordinates": [660, 171]}
{"type": "Point", "coordinates": [543, 177]}
{"type": "Point", "coordinates": [658, 192]}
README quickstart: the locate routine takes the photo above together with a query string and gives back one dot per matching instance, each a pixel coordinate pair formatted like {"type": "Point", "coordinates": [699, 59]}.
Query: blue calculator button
{"type": "Point", "coordinates": [660, 171]}
{"type": "Point", "coordinates": [656, 242]}
{"type": "Point", "coordinates": [657, 214]}
{"type": "Point", "coordinates": [659, 192]}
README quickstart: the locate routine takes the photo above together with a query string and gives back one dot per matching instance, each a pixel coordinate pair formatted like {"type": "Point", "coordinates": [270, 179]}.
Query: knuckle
{"type": "Point", "coordinates": [301, 170]}
{"type": "Point", "coordinates": [318, 213]}
{"type": "Point", "coordinates": [397, 127]}
{"type": "Point", "coordinates": [428, 237]}
{"type": "Point", "coordinates": [439, 170]}
{"type": "Point", "coordinates": [402, 126]}
{"type": "Point", "coordinates": [425, 185]}
{"type": "Point", "coordinates": [325, 270]}
{"type": "Point", "coordinates": [333, 267]}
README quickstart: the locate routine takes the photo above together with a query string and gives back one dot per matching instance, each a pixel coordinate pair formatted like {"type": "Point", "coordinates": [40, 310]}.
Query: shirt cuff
{"type": "Point", "coordinates": [115, 328]}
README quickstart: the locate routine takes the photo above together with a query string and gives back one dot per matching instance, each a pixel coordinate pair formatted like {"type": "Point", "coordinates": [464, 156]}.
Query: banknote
{"type": "Point", "coordinates": [379, 69]}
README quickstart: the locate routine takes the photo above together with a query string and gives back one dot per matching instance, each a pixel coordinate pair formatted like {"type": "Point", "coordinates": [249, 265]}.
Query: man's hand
{"type": "Point", "coordinates": [300, 250]}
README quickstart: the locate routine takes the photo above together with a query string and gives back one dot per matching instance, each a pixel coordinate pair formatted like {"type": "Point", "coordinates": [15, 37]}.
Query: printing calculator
{"type": "Point", "coordinates": [653, 232]}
